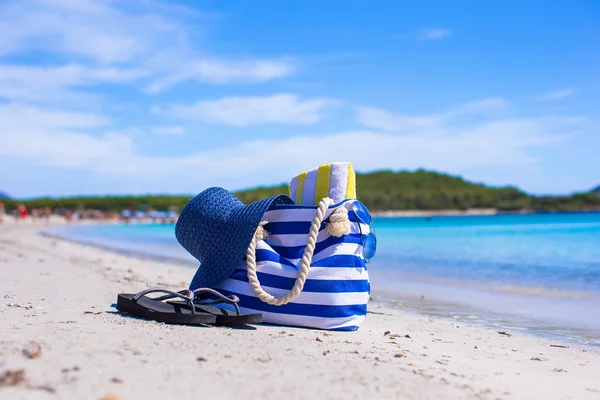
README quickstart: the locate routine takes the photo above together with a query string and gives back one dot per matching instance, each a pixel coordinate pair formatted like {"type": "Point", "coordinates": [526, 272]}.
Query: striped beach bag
{"type": "Point", "coordinates": [307, 266]}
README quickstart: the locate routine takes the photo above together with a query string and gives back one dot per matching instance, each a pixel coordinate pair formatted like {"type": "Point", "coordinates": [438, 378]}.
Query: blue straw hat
{"type": "Point", "coordinates": [216, 228]}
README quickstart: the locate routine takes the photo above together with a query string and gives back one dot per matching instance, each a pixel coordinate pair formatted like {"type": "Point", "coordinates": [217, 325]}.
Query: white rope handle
{"type": "Point", "coordinates": [304, 267]}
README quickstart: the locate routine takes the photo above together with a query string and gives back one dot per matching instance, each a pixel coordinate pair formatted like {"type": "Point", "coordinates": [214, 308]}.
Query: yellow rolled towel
{"type": "Point", "coordinates": [335, 180]}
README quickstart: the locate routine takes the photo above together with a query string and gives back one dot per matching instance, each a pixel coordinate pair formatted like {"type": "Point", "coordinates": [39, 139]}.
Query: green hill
{"type": "Point", "coordinates": [381, 190]}
{"type": "Point", "coordinates": [427, 190]}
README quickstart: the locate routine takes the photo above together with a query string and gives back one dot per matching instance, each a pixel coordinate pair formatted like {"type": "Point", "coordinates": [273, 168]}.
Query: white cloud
{"type": "Point", "coordinates": [98, 31]}
{"type": "Point", "coordinates": [169, 130]}
{"type": "Point", "coordinates": [54, 139]}
{"type": "Point", "coordinates": [381, 119]}
{"type": "Point", "coordinates": [224, 71]}
{"type": "Point", "coordinates": [55, 83]}
{"type": "Point", "coordinates": [148, 39]}
{"type": "Point", "coordinates": [17, 117]}
{"type": "Point", "coordinates": [243, 111]}
{"type": "Point", "coordinates": [556, 95]}
{"type": "Point", "coordinates": [434, 33]}
{"type": "Point", "coordinates": [482, 106]}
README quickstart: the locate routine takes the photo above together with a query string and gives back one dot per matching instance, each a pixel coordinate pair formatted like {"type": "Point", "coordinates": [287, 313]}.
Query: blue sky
{"type": "Point", "coordinates": [142, 96]}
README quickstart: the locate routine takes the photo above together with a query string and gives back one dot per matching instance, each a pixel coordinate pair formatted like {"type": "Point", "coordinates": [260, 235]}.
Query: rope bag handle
{"type": "Point", "coordinates": [339, 225]}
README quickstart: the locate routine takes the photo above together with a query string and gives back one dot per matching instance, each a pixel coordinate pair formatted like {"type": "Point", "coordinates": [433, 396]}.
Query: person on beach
{"type": "Point", "coordinates": [22, 212]}
{"type": "Point", "coordinates": [47, 215]}
{"type": "Point", "coordinates": [69, 216]}
{"type": "Point", "coordinates": [2, 212]}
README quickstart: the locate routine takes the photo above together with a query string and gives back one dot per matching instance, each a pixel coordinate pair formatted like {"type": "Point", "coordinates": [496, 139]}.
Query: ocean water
{"type": "Point", "coordinates": [537, 273]}
{"type": "Point", "coordinates": [556, 252]}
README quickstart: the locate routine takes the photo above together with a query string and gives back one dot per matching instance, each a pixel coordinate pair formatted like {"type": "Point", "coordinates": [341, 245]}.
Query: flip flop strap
{"type": "Point", "coordinates": [233, 299]}
{"type": "Point", "coordinates": [186, 295]}
{"type": "Point", "coordinates": [304, 266]}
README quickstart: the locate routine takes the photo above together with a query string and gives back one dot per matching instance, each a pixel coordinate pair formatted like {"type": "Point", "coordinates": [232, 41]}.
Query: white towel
{"type": "Point", "coordinates": [335, 180]}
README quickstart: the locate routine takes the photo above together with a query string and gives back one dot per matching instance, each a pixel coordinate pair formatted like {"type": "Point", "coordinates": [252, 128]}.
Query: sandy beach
{"type": "Point", "coordinates": [60, 294]}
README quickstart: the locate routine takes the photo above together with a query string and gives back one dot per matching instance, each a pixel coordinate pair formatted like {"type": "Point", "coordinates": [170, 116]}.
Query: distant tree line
{"type": "Point", "coordinates": [382, 190]}
{"type": "Point", "coordinates": [104, 203]}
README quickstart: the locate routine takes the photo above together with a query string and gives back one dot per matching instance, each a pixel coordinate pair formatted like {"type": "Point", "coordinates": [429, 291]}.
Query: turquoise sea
{"type": "Point", "coordinates": [536, 273]}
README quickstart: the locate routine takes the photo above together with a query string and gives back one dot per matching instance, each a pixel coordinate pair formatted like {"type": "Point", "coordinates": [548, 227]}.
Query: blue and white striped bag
{"type": "Point", "coordinates": [336, 289]}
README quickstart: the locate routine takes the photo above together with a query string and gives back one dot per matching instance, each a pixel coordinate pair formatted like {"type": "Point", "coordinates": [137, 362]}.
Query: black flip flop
{"type": "Point", "coordinates": [154, 309]}
{"type": "Point", "coordinates": [224, 317]}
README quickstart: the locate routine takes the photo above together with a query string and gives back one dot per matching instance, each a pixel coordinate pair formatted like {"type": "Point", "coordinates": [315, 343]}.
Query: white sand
{"type": "Point", "coordinates": [47, 286]}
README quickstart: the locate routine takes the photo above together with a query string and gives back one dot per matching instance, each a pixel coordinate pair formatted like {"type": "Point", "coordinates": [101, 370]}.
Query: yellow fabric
{"type": "Point", "coordinates": [351, 189]}
{"type": "Point", "coordinates": [323, 175]}
{"type": "Point", "coordinates": [335, 180]}
{"type": "Point", "coordinates": [300, 189]}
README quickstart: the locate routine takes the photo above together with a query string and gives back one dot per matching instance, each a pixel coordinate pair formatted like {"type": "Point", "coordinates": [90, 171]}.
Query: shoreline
{"type": "Point", "coordinates": [434, 213]}
{"type": "Point", "coordinates": [477, 301]}
{"type": "Point", "coordinates": [56, 219]}
{"type": "Point", "coordinates": [60, 293]}
{"type": "Point", "coordinates": [468, 213]}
